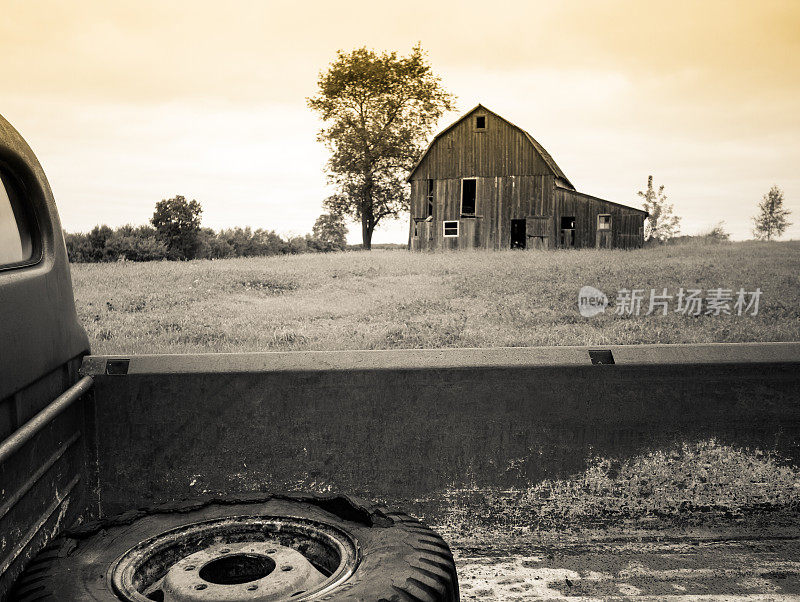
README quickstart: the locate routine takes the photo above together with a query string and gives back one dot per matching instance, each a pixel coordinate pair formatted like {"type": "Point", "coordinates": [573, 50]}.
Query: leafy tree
{"type": "Point", "coordinates": [378, 111]}
{"type": "Point", "coordinates": [267, 242]}
{"type": "Point", "coordinates": [244, 242]}
{"type": "Point", "coordinates": [212, 245]}
{"type": "Point", "coordinates": [331, 231]}
{"type": "Point", "coordinates": [177, 222]}
{"type": "Point", "coordinates": [79, 249]}
{"type": "Point", "coordinates": [297, 244]}
{"type": "Point", "coordinates": [97, 239]}
{"type": "Point", "coordinates": [662, 224]}
{"type": "Point", "coordinates": [133, 243]}
{"type": "Point", "coordinates": [771, 220]}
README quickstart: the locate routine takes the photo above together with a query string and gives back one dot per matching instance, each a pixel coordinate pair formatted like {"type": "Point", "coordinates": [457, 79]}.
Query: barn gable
{"type": "Point", "coordinates": [501, 149]}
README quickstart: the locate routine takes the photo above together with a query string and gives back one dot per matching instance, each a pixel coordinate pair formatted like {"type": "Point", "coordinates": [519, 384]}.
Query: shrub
{"type": "Point", "coordinates": [714, 236]}
{"type": "Point", "coordinates": [146, 243]}
{"type": "Point", "coordinates": [135, 244]}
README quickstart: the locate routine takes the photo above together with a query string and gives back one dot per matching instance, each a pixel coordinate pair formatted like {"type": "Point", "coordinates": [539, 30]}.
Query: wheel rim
{"type": "Point", "coordinates": [240, 558]}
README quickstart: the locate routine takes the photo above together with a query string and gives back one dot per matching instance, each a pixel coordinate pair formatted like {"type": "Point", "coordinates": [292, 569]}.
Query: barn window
{"type": "Point", "coordinates": [16, 232]}
{"type": "Point", "coordinates": [604, 222]}
{"type": "Point", "coordinates": [469, 189]}
{"type": "Point", "coordinates": [480, 122]}
{"type": "Point", "coordinates": [450, 229]}
{"type": "Point", "coordinates": [430, 197]}
{"type": "Point", "coordinates": [567, 238]}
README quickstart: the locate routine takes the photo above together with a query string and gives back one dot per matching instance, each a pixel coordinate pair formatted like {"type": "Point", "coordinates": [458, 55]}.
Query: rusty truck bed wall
{"type": "Point", "coordinates": [399, 425]}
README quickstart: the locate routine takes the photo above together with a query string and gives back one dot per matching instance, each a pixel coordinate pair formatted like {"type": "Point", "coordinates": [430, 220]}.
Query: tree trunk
{"type": "Point", "coordinates": [367, 217]}
{"type": "Point", "coordinates": [366, 234]}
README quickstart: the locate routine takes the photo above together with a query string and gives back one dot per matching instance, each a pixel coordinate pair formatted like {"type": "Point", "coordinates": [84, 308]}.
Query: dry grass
{"type": "Point", "coordinates": [397, 299]}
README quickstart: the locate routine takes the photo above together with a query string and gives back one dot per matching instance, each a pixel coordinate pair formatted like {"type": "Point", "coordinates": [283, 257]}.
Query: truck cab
{"type": "Point", "coordinates": [45, 478]}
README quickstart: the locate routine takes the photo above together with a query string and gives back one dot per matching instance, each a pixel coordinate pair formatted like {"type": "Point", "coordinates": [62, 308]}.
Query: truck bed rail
{"type": "Point", "coordinates": [26, 432]}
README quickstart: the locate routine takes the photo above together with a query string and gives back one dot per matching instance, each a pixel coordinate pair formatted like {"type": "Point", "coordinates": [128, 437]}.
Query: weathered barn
{"type": "Point", "coordinates": [485, 183]}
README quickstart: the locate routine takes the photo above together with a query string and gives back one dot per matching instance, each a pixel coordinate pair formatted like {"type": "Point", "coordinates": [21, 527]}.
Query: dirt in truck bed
{"type": "Point", "coordinates": [674, 568]}
{"type": "Point", "coordinates": [704, 521]}
{"type": "Point", "coordinates": [706, 554]}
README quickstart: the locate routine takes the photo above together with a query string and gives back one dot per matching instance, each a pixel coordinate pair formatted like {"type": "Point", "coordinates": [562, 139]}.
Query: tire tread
{"type": "Point", "coordinates": [428, 573]}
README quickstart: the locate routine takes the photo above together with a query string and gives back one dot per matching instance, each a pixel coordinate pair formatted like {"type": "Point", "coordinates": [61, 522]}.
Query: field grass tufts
{"type": "Point", "coordinates": [397, 299]}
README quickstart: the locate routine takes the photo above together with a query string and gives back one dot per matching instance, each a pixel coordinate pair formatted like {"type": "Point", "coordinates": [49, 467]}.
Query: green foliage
{"type": "Point", "coordinates": [125, 243]}
{"type": "Point", "coordinates": [135, 244]}
{"type": "Point", "coordinates": [245, 242]}
{"type": "Point", "coordinates": [331, 231]}
{"type": "Point", "coordinates": [213, 246]}
{"type": "Point", "coordinates": [177, 222]}
{"type": "Point", "coordinates": [661, 224]}
{"type": "Point", "coordinates": [771, 220]}
{"type": "Point", "coordinates": [143, 243]}
{"type": "Point", "coordinates": [378, 109]}
{"type": "Point", "coordinates": [79, 249]}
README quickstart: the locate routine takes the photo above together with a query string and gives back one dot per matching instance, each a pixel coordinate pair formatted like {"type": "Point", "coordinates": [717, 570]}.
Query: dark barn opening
{"type": "Point", "coordinates": [468, 194]}
{"type": "Point", "coordinates": [480, 122]}
{"type": "Point", "coordinates": [568, 231]}
{"type": "Point", "coordinates": [518, 234]}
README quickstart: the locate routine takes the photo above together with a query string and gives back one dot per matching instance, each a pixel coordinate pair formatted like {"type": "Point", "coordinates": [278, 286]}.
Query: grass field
{"type": "Point", "coordinates": [397, 299]}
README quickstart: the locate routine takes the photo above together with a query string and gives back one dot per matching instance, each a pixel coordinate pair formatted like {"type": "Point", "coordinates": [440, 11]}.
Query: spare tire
{"type": "Point", "coordinates": [287, 547]}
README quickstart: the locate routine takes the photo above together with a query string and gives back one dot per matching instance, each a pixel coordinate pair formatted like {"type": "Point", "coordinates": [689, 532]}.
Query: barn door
{"type": "Point", "coordinates": [518, 234]}
{"type": "Point", "coordinates": [538, 231]}
{"type": "Point", "coordinates": [603, 240]}
{"type": "Point", "coordinates": [421, 238]}
{"type": "Point", "coordinates": [427, 234]}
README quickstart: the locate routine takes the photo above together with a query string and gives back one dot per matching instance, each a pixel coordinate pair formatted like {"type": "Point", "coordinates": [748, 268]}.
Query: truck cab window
{"type": "Point", "coordinates": [16, 244]}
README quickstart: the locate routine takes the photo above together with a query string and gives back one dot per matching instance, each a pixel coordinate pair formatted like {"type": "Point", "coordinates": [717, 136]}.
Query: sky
{"type": "Point", "coordinates": [127, 103]}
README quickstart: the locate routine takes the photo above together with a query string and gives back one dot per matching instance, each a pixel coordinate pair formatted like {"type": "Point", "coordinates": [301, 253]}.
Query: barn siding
{"type": "Point", "coordinates": [513, 182]}
{"type": "Point", "coordinates": [501, 199]}
{"type": "Point", "coordinates": [626, 223]}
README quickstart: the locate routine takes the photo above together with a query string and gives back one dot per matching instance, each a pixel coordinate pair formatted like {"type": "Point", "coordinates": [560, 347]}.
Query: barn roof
{"type": "Point", "coordinates": [565, 183]}
{"type": "Point", "coordinates": [597, 198]}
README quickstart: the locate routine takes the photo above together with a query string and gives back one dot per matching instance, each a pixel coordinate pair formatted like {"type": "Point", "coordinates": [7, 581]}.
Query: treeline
{"type": "Point", "coordinates": [176, 235]}
{"type": "Point", "coordinates": [142, 243]}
